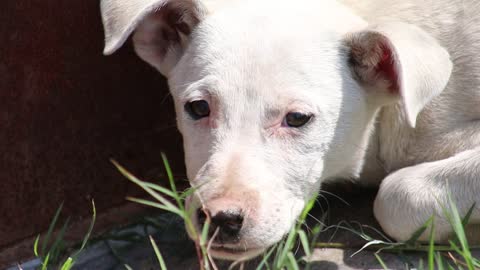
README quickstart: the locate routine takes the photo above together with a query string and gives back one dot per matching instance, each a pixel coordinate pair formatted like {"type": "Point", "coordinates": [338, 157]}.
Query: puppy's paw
{"type": "Point", "coordinates": [405, 202]}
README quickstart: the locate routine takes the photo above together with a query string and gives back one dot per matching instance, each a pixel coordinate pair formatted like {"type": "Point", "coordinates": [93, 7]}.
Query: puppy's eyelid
{"type": "Point", "coordinates": [297, 119]}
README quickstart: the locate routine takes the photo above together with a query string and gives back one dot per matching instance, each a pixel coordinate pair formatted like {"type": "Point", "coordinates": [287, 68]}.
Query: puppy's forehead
{"type": "Point", "coordinates": [258, 49]}
{"type": "Point", "coordinates": [257, 35]}
{"type": "Point", "coordinates": [266, 54]}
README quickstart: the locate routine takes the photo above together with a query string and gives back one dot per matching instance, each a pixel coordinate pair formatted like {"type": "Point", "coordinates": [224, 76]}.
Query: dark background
{"type": "Point", "coordinates": [65, 110]}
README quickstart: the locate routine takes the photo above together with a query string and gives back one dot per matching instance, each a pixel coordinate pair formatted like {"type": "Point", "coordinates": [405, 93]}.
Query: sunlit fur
{"type": "Point", "coordinates": [256, 61]}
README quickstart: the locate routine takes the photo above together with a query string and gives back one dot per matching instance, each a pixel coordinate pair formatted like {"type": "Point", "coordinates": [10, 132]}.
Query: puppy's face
{"type": "Point", "coordinates": [267, 110]}
{"type": "Point", "coordinates": [272, 98]}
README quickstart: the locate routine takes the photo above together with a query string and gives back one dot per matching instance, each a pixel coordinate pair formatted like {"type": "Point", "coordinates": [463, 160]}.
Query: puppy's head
{"type": "Point", "coordinates": [272, 98]}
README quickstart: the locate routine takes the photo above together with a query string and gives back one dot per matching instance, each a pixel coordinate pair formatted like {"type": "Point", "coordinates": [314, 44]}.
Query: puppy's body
{"type": "Point", "coordinates": [446, 138]}
{"type": "Point", "coordinates": [294, 94]}
{"type": "Point", "coordinates": [447, 125]}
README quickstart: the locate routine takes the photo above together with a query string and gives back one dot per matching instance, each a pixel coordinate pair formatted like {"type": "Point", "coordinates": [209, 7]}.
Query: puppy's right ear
{"type": "Point", "coordinates": [162, 28]}
{"type": "Point", "coordinates": [402, 62]}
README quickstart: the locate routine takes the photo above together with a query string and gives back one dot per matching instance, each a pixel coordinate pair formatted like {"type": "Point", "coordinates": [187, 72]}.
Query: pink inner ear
{"type": "Point", "coordinates": [386, 66]}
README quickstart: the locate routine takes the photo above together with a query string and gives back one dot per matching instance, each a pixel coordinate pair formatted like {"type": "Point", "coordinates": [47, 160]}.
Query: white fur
{"type": "Point", "coordinates": [255, 61]}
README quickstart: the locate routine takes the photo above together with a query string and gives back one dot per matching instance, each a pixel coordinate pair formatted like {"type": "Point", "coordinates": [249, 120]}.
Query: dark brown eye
{"type": "Point", "coordinates": [197, 109]}
{"type": "Point", "coordinates": [296, 119]}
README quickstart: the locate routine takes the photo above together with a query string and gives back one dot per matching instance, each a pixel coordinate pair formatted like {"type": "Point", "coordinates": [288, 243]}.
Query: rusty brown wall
{"type": "Point", "coordinates": [65, 109]}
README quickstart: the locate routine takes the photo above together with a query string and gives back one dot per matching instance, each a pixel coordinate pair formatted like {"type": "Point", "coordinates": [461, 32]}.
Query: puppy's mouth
{"type": "Point", "coordinates": [235, 254]}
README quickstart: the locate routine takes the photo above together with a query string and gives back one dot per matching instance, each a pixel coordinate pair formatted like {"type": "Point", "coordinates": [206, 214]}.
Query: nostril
{"type": "Point", "coordinates": [229, 223]}
{"type": "Point", "coordinates": [224, 227]}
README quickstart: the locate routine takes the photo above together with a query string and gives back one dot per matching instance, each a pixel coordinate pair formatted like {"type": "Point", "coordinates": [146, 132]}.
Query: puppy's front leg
{"type": "Point", "coordinates": [409, 197]}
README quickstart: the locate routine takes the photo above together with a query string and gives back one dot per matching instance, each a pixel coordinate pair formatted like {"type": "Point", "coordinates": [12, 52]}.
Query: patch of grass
{"type": "Point", "coordinates": [456, 255]}
{"type": "Point", "coordinates": [284, 255]}
{"type": "Point", "coordinates": [162, 201]}
{"type": "Point", "coordinates": [161, 262]}
{"type": "Point", "coordinates": [281, 256]}
{"type": "Point", "coordinates": [51, 256]}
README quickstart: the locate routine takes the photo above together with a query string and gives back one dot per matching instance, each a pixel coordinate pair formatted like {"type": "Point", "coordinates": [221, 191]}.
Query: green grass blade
{"type": "Point", "coordinates": [373, 242]}
{"type": "Point", "coordinates": [414, 238]}
{"type": "Point", "coordinates": [204, 235]}
{"type": "Point", "coordinates": [55, 250]}
{"type": "Point", "coordinates": [380, 261]}
{"type": "Point", "coordinates": [168, 169]}
{"type": "Point", "coordinates": [265, 259]}
{"type": "Point", "coordinates": [45, 262]}
{"type": "Point", "coordinates": [35, 246]}
{"type": "Point", "coordinates": [158, 254]}
{"type": "Point", "coordinates": [420, 265]}
{"type": "Point", "coordinates": [305, 244]}
{"type": "Point", "coordinates": [459, 252]}
{"type": "Point", "coordinates": [171, 209]}
{"type": "Point", "coordinates": [90, 229]}
{"type": "Point", "coordinates": [171, 180]}
{"type": "Point", "coordinates": [457, 225]}
{"type": "Point", "coordinates": [455, 247]}
{"type": "Point", "coordinates": [467, 217]}
{"type": "Point", "coordinates": [161, 189]}
{"type": "Point", "coordinates": [476, 262]}
{"type": "Point", "coordinates": [191, 190]}
{"type": "Point", "coordinates": [278, 250]}
{"type": "Point", "coordinates": [50, 228]}
{"type": "Point", "coordinates": [292, 261]}
{"type": "Point", "coordinates": [203, 241]}
{"type": "Point", "coordinates": [431, 246]}
{"type": "Point", "coordinates": [286, 248]}
{"type": "Point", "coordinates": [128, 267]}
{"type": "Point", "coordinates": [317, 229]}
{"type": "Point", "coordinates": [439, 261]}
{"type": "Point", "coordinates": [188, 192]}
{"type": "Point", "coordinates": [306, 210]}
{"type": "Point", "coordinates": [142, 184]}
{"type": "Point", "coordinates": [450, 267]}
{"type": "Point", "coordinates": [268, 267]}
{"type": "Point", "coordinates": [68, 264]}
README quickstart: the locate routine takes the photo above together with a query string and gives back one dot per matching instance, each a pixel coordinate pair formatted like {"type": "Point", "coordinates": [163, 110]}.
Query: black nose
{"type": "Point", "coordinates": [228, 224]}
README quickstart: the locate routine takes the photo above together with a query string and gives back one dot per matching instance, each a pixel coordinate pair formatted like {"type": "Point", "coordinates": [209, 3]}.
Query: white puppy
{"type": "Point", "coordinates": [274, 97]}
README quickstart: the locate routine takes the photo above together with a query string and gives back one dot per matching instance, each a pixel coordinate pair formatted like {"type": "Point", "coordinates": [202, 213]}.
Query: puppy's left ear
{"type": "Point", "coordinates": [162, 28]}
{"type": "Point", "coordinates": [402, 61]}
